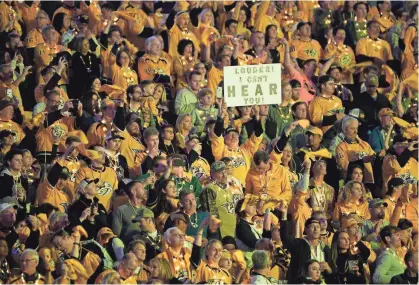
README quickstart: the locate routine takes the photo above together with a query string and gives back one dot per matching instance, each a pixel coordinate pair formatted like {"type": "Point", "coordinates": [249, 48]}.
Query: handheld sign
{"type": "Point", "coordinates": [248, 85]}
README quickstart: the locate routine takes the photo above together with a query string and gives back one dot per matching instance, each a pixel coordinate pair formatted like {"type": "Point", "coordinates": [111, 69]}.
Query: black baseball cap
{"type": "Point", "coordinates": [311, 221]}
{"type": "Point", "coordinates": [6, 133]}
{"type": "Point", "coordinates": [302, 23]}
{"type": "Point", "coordinates": [394, 182]}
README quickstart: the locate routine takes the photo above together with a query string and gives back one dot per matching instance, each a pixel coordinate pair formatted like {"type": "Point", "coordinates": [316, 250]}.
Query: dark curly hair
{"type": "Point", "coordinates": [182, 45]}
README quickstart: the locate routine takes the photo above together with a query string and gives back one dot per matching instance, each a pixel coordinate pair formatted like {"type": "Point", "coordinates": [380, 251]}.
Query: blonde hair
{"type": "Point", "coordinates": [346, 194]}
{"type": "Point", "coordinates": [163, 95]}
{"type": "Point", "coordinates": [210, 243]}
{"type": "Point", "coordinates": [179, 122]}
{"type": "Point", "coordinates": [204, 92]}
{"type": "Point", "coordinates": [165, 272]}
{"type": "Point", "coordinates": [202, 14]}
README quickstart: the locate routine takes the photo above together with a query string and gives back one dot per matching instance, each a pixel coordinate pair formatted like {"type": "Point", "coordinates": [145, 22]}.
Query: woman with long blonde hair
{"type": "Point", "coordinates": [352, 199]}
{"type": "Point", "coordinates": [205, 26]}
{"type": "Point", "coordinates": [209, 271]}
{"type": "Point", "coordinates": [183, 127]}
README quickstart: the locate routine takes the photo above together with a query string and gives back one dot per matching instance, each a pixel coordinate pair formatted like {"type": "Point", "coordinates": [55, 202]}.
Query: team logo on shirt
{"type": "Point", "coordinates": [310, 52]}
{"type": "Point", "coordinates": [238, 161]}
{"type": "Point", "coordinates": [198, 172]}
{"type": "Point", "coordinates": [105, 189]}
{"type": "Point", "coordinates": [229, 206]}
{"type": "Point", "coordinates": [57, 132]}
{"type": "Point", "coordinates": [407, 178]}
{"type": "Point", "coordinates": [345, 59]}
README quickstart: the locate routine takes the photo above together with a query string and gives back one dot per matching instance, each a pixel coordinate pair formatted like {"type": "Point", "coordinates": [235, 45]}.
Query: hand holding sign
{"type": "Point", "coordinates": [252, 85]}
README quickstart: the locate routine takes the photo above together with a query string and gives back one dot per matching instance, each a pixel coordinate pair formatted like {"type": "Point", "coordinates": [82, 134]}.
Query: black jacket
{"type": "Point", "coordinates": [371, 107]}
{"type": "Point", "coordinates": [300, 253]}
{"type": "Point", "coordinates": [75, 211]}
{"type": "Point", "coordinates": [404, 279]}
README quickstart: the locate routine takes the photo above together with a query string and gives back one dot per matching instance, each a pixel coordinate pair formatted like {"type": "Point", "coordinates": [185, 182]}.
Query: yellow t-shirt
{"type": "Point", "coordinates": [374, 48]}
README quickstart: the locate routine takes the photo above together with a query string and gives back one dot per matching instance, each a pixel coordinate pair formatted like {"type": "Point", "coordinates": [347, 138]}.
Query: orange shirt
{"type": "Point", "coordinates": [176, 35]}
{"type": "Point", "coordinates": [44, 54]}
{"type": "Point", "coordinates": [29, 14]}
{"type": "Point", "coordinates": [34, 38]}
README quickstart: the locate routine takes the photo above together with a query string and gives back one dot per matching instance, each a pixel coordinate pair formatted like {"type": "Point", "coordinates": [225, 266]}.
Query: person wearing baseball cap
{"type": "Point", "coordinates": [301, 248]}
{"type": "Point", "coordinates": [371, 101]}
{"type": "Point", "coordinates": [401, 162]}
{"type": "Point", "coordinates": [149, 233]}
{"type": "Point", "coordinates": [86, 210]}
{"type": "Point", "coordinates": [8, 205]}
{"type": "Point", "coordinates": [217, 197]}
{"type": "Point", "coordinates": [371, 227]}
{"type": "Point", "coordinates": [296, 87]}
{"type": "Point", "coordinates": [198, 165]}
{"type": "Point", "coordinates": [229, 146]}
{"type": "Point", "coordinates": [326, 109]}
{"type": "Point", "coordinates": [382, 136]}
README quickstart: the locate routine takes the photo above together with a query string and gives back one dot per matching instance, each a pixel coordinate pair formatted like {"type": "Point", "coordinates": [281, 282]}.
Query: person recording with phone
{"type": "Point", "coordinates": [87, 211]}
{"type": "Point", "coordinates": [348, 267]}
{"type": "Point", "coordinates": [50, 125]}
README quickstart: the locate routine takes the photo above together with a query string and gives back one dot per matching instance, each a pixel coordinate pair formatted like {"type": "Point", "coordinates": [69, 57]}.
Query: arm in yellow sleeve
{"type": "Point", "coordinates": [342, 159]}
{"type": "Point", "coordinates": [390, 165]}
{"type": "Point", "coordinates": [260, 13]}
{"type": "Point", "coordinates": [412, 214]}
{"type": "Point", "coordinates": [130, 47]}
{"type": "Point", "coordinates": [249, 184]}
{"type": "Point", "coordinates": [251, 145]}
{"type": "Point", "coordinates": [408, 37]}
{"type": "Point", "coordinates": [217, 146]}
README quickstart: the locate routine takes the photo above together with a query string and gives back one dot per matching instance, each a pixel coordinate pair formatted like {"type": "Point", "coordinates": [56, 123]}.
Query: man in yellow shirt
{"type": "Point", "coordinates": [34, 36]}
{"type": "Point", "coordinates": [305, 47]}
{"type": "Point", "coordinates": [372, 48]}
{"type": "Point", "coordinates": [228, 145]}
{"type": "Point", "coordinates": [268, 179]}
{"type": "Point", "coordinates": [326, 108]}
{"type": "Point", "coordinates": [354, 150]}
{"type": "Point", "coordinates": [265, 16]}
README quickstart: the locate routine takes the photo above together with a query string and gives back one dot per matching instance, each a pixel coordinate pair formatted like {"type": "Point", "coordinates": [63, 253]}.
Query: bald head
{"type": "Point", "coordinates": [128, 265]}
